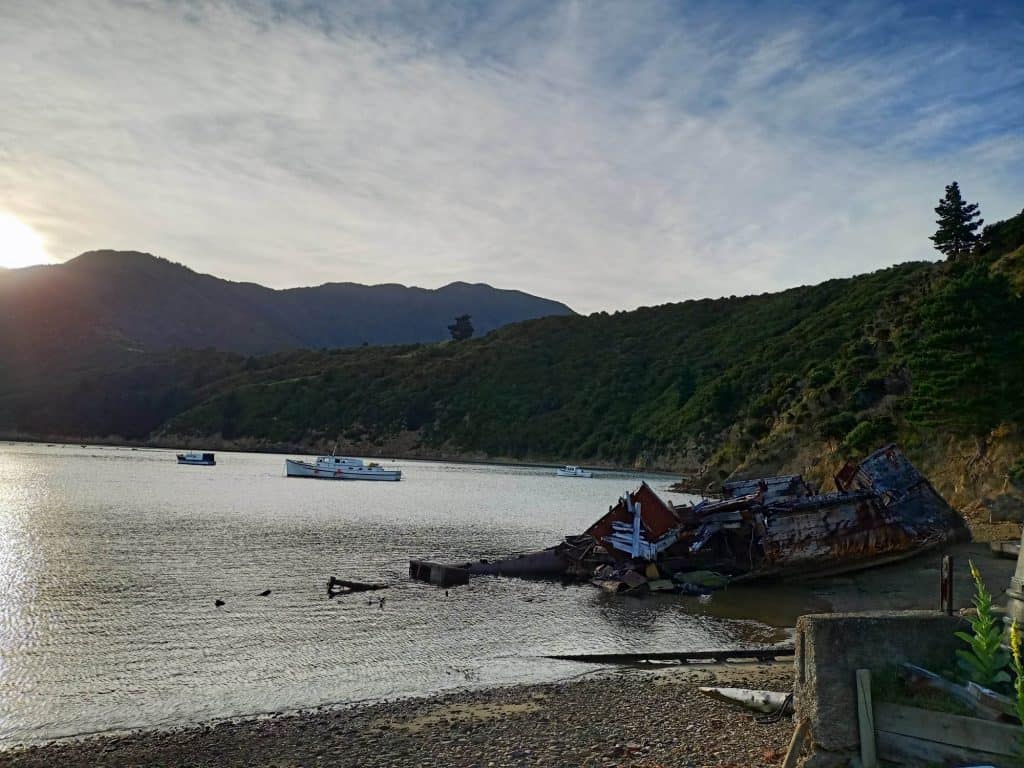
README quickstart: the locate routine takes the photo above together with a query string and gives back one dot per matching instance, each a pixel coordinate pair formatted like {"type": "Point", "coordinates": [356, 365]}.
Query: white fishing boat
{"type": "Point", "coordinates": [570, 471]}
{"type": "Point", "coordinates": [197, 459]}
{"type": "Point", "coordinates": [339, 468]}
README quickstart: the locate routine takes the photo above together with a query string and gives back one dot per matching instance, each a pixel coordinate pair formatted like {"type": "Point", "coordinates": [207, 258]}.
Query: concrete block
{"type": "Point", "coordinates": [830, 648]}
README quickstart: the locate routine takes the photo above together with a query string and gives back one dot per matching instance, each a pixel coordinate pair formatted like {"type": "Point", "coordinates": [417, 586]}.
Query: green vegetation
{"type": "Point", "coordinates": [958, 224]}
{"type": "Point", "coordinates": [461, 329]}
{"type": "Point", "coordinates": [984, 661]}
{"type": "Point", "coordinates": [917, 353]}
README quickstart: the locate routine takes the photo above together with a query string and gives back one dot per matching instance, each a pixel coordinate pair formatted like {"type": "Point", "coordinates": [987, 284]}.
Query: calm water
{"type": "Point", "coordinates": [111, 559]}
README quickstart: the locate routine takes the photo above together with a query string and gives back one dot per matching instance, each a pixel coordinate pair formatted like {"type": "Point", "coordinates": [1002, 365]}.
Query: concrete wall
{"type": "Point", "coordinates": [831, 647]}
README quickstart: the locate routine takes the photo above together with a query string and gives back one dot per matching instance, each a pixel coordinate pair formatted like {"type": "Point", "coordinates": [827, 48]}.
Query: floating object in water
{"type": "Point", "coordinates": [196, 459]}
{"type": "Point", "coordinates": [218, 603]}
{"type": "Point", "coordinates": [339, 468]}
{"type": "Point", "coordinates": [437, 574]}
{"type": "Point", "coordinates": [344, 587]}
{"type": "Point", "coordinates": [570, 470]}
{"type": "Point", "coordinates": [265, 593]}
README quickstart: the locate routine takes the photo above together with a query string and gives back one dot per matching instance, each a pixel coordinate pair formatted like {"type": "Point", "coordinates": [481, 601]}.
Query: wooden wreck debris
{"type": "Point", "coordinates": [939, 738]}
{"type": "Point", "coordinates": [437, 574]}
{"type": "Point", "coordinates": [796, 744]}
{"type": "Point", "coordinates": [776, 527]}
{"type": "Point", "coordinates": [1007, 549]}
{"type": "Point", "coordinates": [768, 702]}
{"type": "Point", "coordinates": [683, 657]}
{"type": "Point", "coordinates": [983, 702]}
{"type": "Point", "coordinates": [343, 586]}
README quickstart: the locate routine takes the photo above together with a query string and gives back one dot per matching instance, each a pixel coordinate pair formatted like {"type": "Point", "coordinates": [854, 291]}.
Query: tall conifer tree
{"type": "Point", "coordinates": [958, 223]}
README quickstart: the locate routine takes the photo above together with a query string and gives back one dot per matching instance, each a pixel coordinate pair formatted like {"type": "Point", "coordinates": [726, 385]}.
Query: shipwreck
{"type": "Point", "coordinates": [883, 509]}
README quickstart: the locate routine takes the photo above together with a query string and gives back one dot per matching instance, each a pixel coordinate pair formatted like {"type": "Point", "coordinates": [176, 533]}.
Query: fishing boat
{"type": "Point", "coordinates": [339, 468]}
{"type": "Point", "coordinates": [197, 459]}
{"type": "Point", "coordinates": [570, 471]}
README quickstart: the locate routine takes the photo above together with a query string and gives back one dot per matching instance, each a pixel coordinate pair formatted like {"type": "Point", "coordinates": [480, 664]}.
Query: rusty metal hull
{"type": "Point", "coordinates": [884, 510]}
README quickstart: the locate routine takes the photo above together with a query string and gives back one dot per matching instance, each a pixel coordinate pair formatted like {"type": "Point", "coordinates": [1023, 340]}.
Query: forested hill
{"type": "Point", "coordinates": [930, 354]}
{"type": "Point", "coordinates": [103, 303]}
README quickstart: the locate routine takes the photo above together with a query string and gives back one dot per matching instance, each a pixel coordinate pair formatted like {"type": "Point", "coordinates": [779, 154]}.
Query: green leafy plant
{"type": "Point", "coordinates": [1018, 670]}
{"type": "Point", "coordinates": [985, 661]}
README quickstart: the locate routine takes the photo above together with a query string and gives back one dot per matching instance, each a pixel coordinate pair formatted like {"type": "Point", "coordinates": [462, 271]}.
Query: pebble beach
{"type": "Point", "coordinates": [635, 717]}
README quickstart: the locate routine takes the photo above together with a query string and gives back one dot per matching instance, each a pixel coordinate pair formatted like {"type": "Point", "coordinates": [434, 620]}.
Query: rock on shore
{"type": "Point", "coordinates": [633, 718]}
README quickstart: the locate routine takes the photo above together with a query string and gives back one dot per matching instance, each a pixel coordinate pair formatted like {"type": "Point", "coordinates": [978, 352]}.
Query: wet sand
{"type": "Point", "coordinates": [631, 718]}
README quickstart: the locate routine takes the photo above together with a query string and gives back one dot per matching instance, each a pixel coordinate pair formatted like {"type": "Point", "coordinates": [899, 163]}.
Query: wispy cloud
{"type": "Point", "coordinates": [606, 154]}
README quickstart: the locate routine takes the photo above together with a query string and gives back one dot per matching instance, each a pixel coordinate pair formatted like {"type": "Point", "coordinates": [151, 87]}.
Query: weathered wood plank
{"type": "Point", "coordinates": [796, 744]}
{"type": "Point", "coordinates": [900, 749]}
{"type": "Point", "coordinates": [866, 719]}
{"type": "Point", "coordinates": [918, 678]}
{"type": "Point", "coordinates": [758, 654]}
{"type": "Point", "coordinates": [1007, 549]}
{"type": "Point", "coordinates": [947, 729]}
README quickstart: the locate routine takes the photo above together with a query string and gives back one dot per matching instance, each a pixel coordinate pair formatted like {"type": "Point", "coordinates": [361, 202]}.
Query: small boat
{"type": "Point", "coordinates": [339, 468]}
{"type": "Point", "coordinates": [570, 471]}
{"type": "Point", "coordinates": [196, 459]}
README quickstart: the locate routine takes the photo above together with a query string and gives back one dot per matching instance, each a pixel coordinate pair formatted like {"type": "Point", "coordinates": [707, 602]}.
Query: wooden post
{"type": "Point", "coordinates": [946, 585]}
{"type": "Point", "coordinates": [796, 744]}
{"type": "Point", "coordinates": [866, 719]}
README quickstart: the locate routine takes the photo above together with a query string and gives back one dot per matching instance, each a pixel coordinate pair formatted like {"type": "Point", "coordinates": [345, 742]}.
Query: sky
{"type": "Point", "coordinates": [606, 154]}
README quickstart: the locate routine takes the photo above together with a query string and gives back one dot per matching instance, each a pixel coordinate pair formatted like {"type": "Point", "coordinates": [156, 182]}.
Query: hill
{"type": "Point", "coordinates": [929, 354]}
{"type": "Point", "coordinates": [106, 305]}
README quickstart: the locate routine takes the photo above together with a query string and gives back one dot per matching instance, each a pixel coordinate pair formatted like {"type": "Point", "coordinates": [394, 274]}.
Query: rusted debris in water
{"type": "Point", "coordinates": [437, 574]}
{"type": "Point", "coordinates": [343, 587]}
{"type": "Point", "coordinates": [883, 510]}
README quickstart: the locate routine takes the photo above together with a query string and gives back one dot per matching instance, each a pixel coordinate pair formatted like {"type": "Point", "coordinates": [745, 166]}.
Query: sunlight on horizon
{"type": "Point", "coordinates": [20, 245]}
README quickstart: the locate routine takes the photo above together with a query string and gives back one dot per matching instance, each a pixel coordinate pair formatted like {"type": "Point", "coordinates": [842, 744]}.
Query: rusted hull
{"type": "Point", "coordinates": [883, 510]}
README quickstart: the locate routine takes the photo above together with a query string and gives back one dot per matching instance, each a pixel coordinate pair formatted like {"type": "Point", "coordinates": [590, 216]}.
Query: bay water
{"type": "Point", "coordinates": [111, 560]}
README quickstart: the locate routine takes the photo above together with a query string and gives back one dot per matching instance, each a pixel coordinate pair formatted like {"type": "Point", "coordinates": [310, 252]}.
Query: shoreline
{"type": "Point", "coordinates": [281, 450]}
{"type": "Point", "coordinates": [622, 717]}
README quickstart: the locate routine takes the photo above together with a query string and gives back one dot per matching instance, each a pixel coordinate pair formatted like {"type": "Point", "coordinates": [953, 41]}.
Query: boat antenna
{"type": "Point", "coordinates": [334, 450]}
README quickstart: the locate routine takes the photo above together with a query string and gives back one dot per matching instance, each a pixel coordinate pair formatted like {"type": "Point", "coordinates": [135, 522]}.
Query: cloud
{"type": "Point", "coordinates": [605, 154]}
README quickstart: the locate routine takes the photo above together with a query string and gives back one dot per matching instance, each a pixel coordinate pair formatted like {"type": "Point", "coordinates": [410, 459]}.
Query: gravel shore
{"type": "Point", "coordinates": [630, 718]}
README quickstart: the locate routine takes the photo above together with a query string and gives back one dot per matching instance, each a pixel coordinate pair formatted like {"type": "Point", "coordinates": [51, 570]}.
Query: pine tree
{"type": "Point", "coordinates": [461, 329]}
{"type": "Point", "coordinates": [958, 223]}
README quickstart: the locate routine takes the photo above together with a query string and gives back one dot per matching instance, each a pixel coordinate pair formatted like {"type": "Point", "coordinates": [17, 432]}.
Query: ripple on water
{"type": "Point", "coordinates": [112, 559]}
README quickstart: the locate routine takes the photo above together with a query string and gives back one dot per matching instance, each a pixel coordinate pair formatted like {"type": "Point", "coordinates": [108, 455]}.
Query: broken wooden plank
{"type": "Point", "coordinates": [343, 585]}
{"type": "Point", "coordinates": [1006, 549]}
{"type": "Point", "coordinates": [757, 654]}
{"type": "Point", "coordinates": [944, 728]}
{"type": "Point", "coordinates": [796, 744]}
{"type": "Point", "coordinates": [897, 748]}
{"type": "Point", "coordinates": [918, 678]}
{"type": "Point", "coordinates": [866, 720]}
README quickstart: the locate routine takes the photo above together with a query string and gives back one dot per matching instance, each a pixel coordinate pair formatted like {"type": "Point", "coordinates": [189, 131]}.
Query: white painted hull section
{"type": "Point", "coordinates": [573, 473]}
{"type": "Point", "coordinates": [193, 461]}
{"type": "Point", "coordinates": [295, 468]}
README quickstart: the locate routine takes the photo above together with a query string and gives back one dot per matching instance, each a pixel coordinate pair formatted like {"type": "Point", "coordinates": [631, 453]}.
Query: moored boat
{"type": "Point", "coordinates": [339, 468]}
{"type": "Point", "coordinates": [197, 459]}
{"type": "Point", "coordinates": [572, 471]}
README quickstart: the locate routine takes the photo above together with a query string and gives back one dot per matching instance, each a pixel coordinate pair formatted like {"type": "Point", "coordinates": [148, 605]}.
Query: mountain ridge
{"type": "Point", "coordinates": [104, 303]}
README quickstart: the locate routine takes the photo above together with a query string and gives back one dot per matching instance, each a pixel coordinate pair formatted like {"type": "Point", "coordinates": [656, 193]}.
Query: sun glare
{"type": "Point", "coordinates": [20, 245]}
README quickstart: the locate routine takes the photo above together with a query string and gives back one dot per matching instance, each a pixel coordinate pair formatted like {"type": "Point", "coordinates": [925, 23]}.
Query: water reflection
{"type": "Point", "coordinates": [111, 560]}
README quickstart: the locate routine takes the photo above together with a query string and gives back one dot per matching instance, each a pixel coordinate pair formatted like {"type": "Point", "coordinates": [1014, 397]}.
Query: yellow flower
{"type": "Point", "coordinates": [975, 573]}
{"type": "Point", "coordinates": [1015, 641]}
